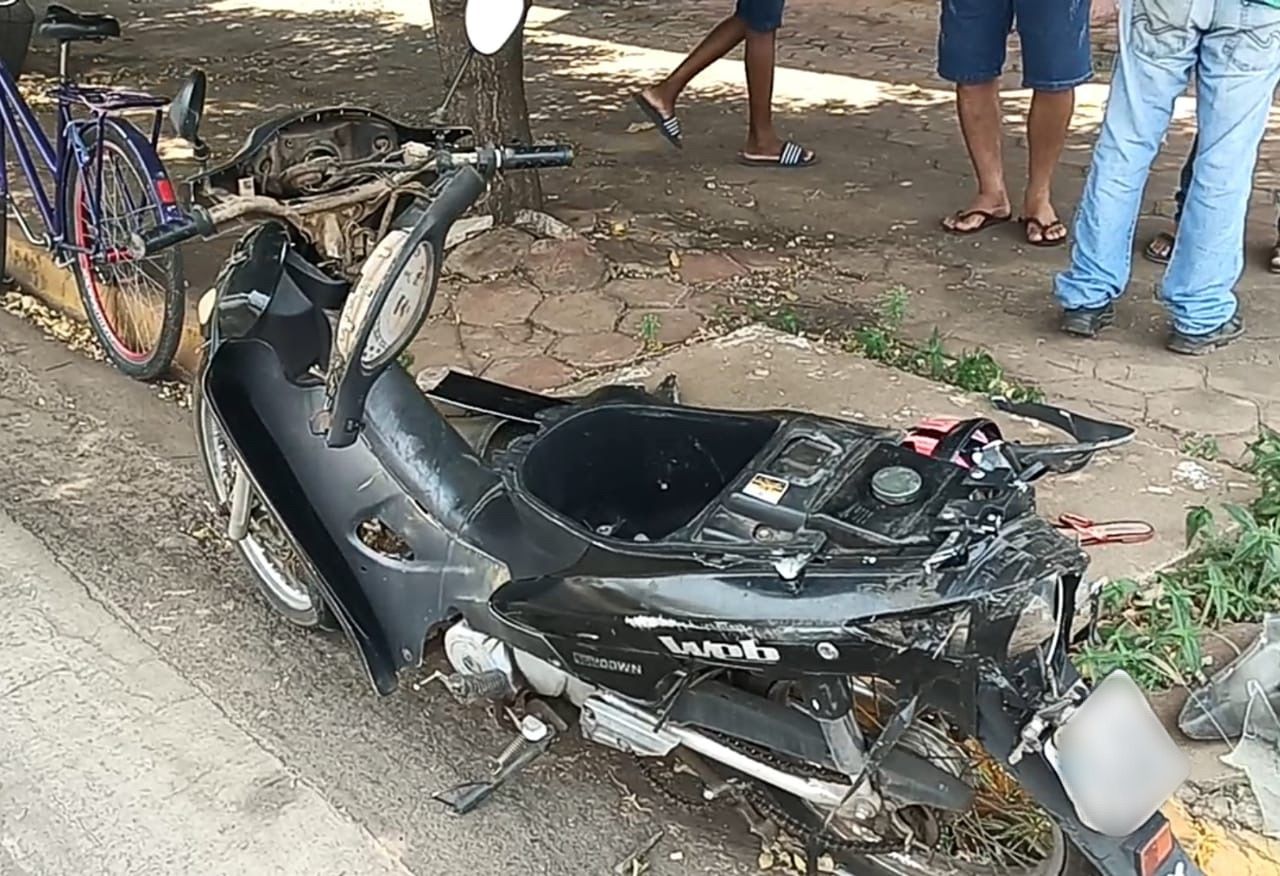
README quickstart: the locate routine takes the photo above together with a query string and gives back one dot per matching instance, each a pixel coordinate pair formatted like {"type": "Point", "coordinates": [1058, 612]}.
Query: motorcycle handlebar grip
{"type": "Point", "coordinates": [171, 234]}
{"type": "Point", "coordinates": [534, 157]}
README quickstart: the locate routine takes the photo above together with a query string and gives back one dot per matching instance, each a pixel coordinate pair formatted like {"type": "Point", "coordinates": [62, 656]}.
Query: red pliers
{"type": "Point", "coordinates": [1088, 533]}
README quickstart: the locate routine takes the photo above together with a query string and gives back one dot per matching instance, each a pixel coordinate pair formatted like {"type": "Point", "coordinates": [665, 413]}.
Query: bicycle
{"type": "Point", "coordinates": [108, 184]}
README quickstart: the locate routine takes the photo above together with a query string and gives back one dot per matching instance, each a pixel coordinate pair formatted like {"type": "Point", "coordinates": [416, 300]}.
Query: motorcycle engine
{"type": "Point", "coordinates": [308, 156]}
{"type": "Point", "coordinates": [473, 653]}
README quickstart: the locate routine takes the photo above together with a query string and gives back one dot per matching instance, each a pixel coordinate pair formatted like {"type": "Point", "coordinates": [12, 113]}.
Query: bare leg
{"type": "Point", "coordinates": [1046, 134]}
{"type": "Point", "coordinates": [979, 109]}
{"type": "Point", "coordinates": [762, 139]}
{"type": "Point", "coordinates": [714, 46]}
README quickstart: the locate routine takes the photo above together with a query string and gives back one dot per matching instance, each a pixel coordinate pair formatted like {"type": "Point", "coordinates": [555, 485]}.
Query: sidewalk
{"type": "Point", "coordinates": [114, 763]}
{"type": "Point", "coordinates": [855, 84]}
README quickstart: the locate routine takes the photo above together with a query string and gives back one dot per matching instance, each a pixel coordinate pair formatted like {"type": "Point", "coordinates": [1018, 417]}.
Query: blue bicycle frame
{"type": "Point", "coordinates": [70, 145]}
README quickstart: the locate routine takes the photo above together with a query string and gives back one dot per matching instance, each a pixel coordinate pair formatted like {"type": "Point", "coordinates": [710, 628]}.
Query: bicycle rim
{"type": "Point", "coordinates": [129, 300]}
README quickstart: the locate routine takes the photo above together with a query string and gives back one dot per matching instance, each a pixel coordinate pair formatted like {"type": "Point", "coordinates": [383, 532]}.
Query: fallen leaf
{"type": "Point", "coordinates": [637, 127]}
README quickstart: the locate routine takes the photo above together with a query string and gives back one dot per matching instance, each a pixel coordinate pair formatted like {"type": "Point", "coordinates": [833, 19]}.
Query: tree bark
{"type": "Point", "coordinates": [490, 99]}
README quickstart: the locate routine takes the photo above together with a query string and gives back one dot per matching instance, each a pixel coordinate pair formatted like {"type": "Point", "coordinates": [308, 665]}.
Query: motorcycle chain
{"type": "Point", "coordinates": [655, 774]}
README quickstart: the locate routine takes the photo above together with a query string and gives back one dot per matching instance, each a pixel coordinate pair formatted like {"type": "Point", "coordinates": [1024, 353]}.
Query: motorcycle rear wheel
{"type": "Point", "coordinates": [282, 579]}
{"type": "Point", "coordinates": [1063, 860]}
{"type": "Point", "coordinates": [934, 741]}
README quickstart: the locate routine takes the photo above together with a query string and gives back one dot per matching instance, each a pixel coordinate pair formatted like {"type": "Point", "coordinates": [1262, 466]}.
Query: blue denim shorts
{"type": "Point", "coordinates": [1056, 54]}
{"type": "Point", "coordinates": [761, 16]}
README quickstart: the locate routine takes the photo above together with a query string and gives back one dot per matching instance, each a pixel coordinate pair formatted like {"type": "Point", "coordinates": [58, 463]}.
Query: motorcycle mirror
{"type": "Point", "coordinates": [490, 23]}
{"type": "Point", "coordinates": [187, 108]}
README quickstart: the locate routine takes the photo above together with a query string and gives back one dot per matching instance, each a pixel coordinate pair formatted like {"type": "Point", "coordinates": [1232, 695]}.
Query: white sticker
{"type": "Point", "coordinates": [766, 488]}
{"type": "Point", "coordinates": [246, 187]}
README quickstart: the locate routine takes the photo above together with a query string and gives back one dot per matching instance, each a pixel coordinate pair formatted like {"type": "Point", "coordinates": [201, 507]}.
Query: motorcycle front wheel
{"type": "Point", "coordinates": [282, 578]}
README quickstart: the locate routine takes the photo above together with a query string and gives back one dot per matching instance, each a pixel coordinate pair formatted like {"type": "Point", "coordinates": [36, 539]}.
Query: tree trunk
{"type": "Point", "coordinates": [490, 99]}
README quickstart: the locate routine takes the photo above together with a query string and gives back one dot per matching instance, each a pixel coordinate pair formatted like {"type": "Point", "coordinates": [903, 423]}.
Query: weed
{"type": "Point", "coordinates": [1155, 633]}
{"type": "Point", "coordinates": [650, 326]}
{"type": "Point", "coordinates": [1201, 447]}
{"type": "Point", "coordinates": [972, 370]}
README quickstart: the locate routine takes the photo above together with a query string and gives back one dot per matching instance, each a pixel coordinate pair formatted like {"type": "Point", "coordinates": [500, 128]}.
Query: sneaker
{"type": "Point", "coordinates": [1086, 322]}
{"type": "Point", "coordinates": [1198, 345]}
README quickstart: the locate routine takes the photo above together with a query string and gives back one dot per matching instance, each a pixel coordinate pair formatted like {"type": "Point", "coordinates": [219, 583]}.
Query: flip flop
{"type": "Point", "coordinates": [792, 155]}
{"type": "Point", "coordinates": [988, 219]}
{"type": "Point", "coordinates": [667, 126]}
{"type": "Point", "coordinates": [1151, 254]}
{"type": "Point", "coordinates": [1044, 240]}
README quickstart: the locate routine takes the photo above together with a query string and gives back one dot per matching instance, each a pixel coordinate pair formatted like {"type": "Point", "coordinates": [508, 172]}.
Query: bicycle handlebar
{"type": "Point", "coordinates": [487, 160]}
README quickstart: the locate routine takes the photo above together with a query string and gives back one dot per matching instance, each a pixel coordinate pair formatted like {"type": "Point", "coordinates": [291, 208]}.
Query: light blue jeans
{"type": "Point", "coordinates": [1233, 47]}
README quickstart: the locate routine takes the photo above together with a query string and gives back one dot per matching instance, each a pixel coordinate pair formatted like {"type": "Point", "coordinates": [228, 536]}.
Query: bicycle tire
{"type": "Point", "coordinates": [143, 365]}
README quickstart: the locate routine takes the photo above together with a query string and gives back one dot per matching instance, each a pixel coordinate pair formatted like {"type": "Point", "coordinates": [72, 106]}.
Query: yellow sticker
{"type": "Point", "coordinates": [766, 488]}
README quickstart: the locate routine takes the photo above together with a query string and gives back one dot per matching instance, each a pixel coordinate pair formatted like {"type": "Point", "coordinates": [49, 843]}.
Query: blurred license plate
{"type": "Point", "coordinates": [1115, 759]}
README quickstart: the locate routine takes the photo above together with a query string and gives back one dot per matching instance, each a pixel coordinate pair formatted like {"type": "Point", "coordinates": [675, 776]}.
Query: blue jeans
{"type": "Point", "coordinates": [1184, 183]}
{"type": "Point", "coordinates": [974, 34]}
{"type": "Point", "coordinates": [1233, 46]}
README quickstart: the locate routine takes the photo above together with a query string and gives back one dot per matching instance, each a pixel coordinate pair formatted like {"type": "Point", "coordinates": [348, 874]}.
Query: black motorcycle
{"type": "Point", "coordinates": [865, 636]}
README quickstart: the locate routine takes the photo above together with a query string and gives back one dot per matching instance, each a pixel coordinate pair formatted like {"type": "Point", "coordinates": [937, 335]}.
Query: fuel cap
{"type": "Point", "coordinates": [896, 485]}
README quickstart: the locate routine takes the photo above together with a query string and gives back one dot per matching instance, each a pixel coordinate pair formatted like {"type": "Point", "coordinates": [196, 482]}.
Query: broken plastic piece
{"type": "Point", "coordinates": [1258, 756]}
{"type": "Point", "coordinates": [1217, 710]}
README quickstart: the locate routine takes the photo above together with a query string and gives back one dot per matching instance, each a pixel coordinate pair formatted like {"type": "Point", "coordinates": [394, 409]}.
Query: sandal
{"type": "Point", "coordinates": [792, 155]}
{"type": "Point", "coordinates": [1152, 252]}
{"type": "Point", "coordinates": [1045, 240]}
{"type": "Point", "coordinates": [988, 219]}
{"type": "Point", "coordinates": [667, 126]}
{"type": "Point", "coordinates": [1275, 259]}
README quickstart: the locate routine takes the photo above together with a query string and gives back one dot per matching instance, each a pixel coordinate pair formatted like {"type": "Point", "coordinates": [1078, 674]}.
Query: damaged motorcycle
{"type": "Point", "coordinates": [861, 633]}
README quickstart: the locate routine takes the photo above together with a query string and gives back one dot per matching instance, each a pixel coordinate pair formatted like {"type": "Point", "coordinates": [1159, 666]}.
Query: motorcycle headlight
{"type": "Point", "coordinates": [392, 327]}
{"type": "Point", "coordinates": [1039, 619]}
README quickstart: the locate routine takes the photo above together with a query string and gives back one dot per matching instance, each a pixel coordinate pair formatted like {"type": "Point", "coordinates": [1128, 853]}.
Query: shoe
{"type": "Point", "coordinates": [1198, 345]}
{"type": "Point", "coordinates": [1086, 322]}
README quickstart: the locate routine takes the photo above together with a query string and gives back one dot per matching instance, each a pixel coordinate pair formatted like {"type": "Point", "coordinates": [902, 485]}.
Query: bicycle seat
{"type": "Point", "coordinates": [66, 25]}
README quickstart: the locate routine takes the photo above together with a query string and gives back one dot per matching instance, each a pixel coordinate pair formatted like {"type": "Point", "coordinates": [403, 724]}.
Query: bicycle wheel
{"type": "Point", "coordinates": [135, 306]}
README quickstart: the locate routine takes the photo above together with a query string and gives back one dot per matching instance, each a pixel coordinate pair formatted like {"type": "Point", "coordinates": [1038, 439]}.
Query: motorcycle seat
{"type": "Point", "coordinates": [66, 25]}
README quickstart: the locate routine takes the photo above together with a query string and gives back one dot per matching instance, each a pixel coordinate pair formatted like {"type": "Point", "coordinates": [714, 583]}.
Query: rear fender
{"type": "Point", "coordinates": [81, 132]}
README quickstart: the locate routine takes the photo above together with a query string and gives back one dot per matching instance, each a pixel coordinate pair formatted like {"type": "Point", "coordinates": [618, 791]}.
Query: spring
{"type": "Point", "coordinates": [490, 685]}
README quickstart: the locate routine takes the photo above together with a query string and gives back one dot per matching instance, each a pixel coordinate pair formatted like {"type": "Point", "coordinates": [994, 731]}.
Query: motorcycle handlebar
{"type": "Point", "coordinates": [536, 157]}
{"type": "Point", "coordinates": [458, 194]}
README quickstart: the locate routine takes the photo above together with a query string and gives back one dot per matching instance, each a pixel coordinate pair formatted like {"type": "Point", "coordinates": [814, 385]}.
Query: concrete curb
{"type": "Point", "coordinates": [1223, 851]}
{"type": "Point", "coordinates": [36, 273]}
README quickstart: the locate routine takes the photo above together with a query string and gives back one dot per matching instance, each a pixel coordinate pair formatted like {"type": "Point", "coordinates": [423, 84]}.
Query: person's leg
{"type": "Point", "coordinates": [1275, 250]}
{"type": "Point", "coordinates": [972, 39]}
{"type": "Point", "coordinates": [763, 145]}
{"type": "Point", "coordinates": [762, 139]}
{"type": "Point", "coordinates": [1236, 79]}
{"type": "Point", "coordinates": [714, 46]}
{"type": "Point", "coordinates": [1161, 246]}
{"type": "Point", "coordinates": [1150, 73]}
{"type": "Point", "coordinates": [1056, 58]}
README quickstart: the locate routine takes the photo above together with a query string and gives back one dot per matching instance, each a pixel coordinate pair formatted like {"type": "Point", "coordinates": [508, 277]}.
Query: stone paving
{"type": "Point", "coordinates": [673, 240]}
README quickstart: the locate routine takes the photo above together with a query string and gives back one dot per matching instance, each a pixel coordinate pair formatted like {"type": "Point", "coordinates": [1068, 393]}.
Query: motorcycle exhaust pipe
{"type": "Point", "coordinates": [863, 803]}
{"type": "Point", "coordinates": [241, 489]}
{"type": "Point", "coordinates": [611, 721]}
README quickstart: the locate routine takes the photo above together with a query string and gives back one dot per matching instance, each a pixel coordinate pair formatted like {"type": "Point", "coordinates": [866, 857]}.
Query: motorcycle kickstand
{"type": "Point", "coordinates": [536, 733]}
